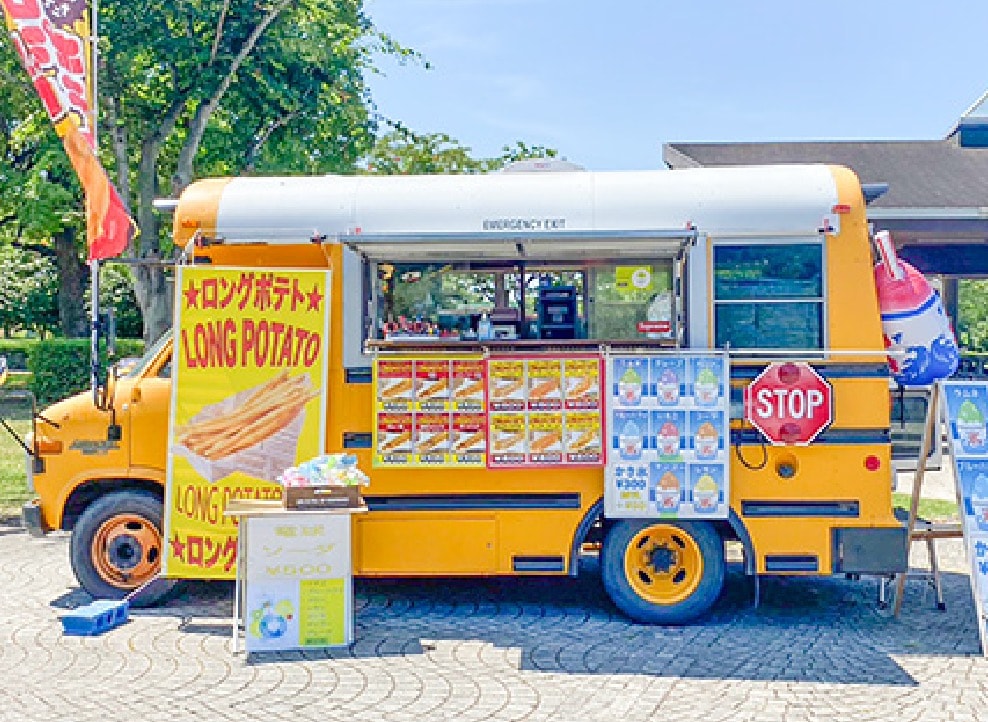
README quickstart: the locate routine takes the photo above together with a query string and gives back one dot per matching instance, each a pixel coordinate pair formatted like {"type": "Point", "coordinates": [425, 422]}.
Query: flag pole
{"type": "Point", "coordinates": [94, 263]}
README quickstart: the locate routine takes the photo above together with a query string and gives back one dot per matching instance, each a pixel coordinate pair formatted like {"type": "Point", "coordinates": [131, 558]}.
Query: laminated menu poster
{"type": "Point", "coordinates": [298, 582]}
{"type": "Point", "coordinates": [545, 411]}
{"type": "Point", "coordinates": [668, 427]}
{"type": "Point", "coordinates": [503, 412]}
{"type": "Point", "coordinates": [430, 412]}
{"type": "Point", "coordinates": [966, 404]}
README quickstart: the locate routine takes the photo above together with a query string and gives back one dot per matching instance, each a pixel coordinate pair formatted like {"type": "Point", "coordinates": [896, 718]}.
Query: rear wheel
{"type": "Point", "coordinates": [117, 545]}
{"type": "Point", "coordinates": [663, 572]}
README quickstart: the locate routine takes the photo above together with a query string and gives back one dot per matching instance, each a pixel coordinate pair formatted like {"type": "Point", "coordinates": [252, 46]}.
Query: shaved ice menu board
{"type": "Point", "coordinates": [668, 425]}
{"type": "Point", "coordinates": [966, 405]}
{"type": "Point", "coordinates": [497, 412]}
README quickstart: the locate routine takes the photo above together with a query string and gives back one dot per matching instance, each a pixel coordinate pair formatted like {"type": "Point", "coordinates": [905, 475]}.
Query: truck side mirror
{"type": "Point", "coordinates": [108, 329]}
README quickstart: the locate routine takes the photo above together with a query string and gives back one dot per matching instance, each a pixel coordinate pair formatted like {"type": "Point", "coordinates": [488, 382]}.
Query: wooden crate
{"type": "Point", "coordinates": [322, 497]}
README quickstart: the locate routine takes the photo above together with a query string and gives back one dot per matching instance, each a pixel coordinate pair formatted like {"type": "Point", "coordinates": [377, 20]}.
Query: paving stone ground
{"type": "Point", "coordinates": [519, 649]}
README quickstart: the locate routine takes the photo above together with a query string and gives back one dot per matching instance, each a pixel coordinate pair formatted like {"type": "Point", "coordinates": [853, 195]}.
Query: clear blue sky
{"type": "Point", "coordinates": [607, 83]}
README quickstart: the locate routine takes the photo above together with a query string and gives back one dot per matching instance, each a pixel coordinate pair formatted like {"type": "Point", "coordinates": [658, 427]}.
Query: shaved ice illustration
{"type": "Point", "coordinates": [705, 494]}
{"type": "Point", "coordinates": [630, 387]}
{"type": "Point", "coordinates": [668, 387]}
{"type": "Point", "coordinates": [630, 441]}
{"type": "Point", "coordinates": [971, 427]}
{"type": "Point", "coordinates": [979, 501]}
{"type": "Point", "coordinates": [706, 387]}
{"type": "Point", "coordinates": [669, 492]}
{"type": "Point", "coordinates": [706, 441]}
{"type": "Point", "coordinates": [668, 439]}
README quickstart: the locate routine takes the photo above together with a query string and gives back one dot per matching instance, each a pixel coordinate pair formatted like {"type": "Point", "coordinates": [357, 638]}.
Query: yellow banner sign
{"type": "Point", "coordinates": [249, 400]}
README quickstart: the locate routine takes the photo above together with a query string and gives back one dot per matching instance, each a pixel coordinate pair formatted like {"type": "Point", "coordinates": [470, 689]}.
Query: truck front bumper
{"type": "Point", "coordinates": [31, 518]}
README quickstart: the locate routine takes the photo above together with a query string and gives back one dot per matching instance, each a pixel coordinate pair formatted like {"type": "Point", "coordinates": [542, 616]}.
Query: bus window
{"type": "Point", "coordinates": [769, 295]}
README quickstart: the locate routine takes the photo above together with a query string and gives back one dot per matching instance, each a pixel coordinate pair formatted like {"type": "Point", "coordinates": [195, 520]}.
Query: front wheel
{"type": "Point", "coordinates": [663, 572]}
{"type": "Point", "coordinates": [116, 545]}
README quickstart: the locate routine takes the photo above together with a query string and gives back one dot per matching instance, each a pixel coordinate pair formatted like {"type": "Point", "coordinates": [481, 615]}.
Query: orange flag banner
{"type": "Point", "coordinates": [51, 39]}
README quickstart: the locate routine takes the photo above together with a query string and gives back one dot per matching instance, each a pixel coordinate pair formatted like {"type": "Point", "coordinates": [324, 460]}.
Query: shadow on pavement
{"type": "Point", "coordinates": [804, 630]}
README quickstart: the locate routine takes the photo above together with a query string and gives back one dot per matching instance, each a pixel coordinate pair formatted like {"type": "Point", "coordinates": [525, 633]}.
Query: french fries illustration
{"type": "Point", "coordinates": [430, 389]}
{"type": "Point", "coordinates": [264, 413]}
{"type": "Point", "coordinates": [397, 441]}
{"type": "Point", "coordinates": [587, 386]}
{"type": "Point", "coordinates": [469, 442]}
{"type": "Point", "coordinates": [468, 387]}
{"type": "Point", "coordinates": [430, 443]}
{"type": "Point", "coordinates": [504, 390]}
{"type": "Point", "coordinates": [544, 388]}
{"type": "Point", "coordinates": [589, 439]}
{"type": "Point", "coordinates": [546, 442]}
{"type": "Point", "coordinates": [399, 387]}
{"type": "Point", "coordinates": [507, 441]}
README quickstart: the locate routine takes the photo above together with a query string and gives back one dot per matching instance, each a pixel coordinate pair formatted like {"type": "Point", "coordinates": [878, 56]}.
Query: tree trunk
{"type": "Point", "coordinates": [71, 286]}
{"type": "Point", "coordinates": [150, 285]}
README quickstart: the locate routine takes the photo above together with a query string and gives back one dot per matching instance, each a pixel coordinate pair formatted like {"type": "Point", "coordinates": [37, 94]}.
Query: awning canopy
{"type": "Point", "coordinates": [521, 246]}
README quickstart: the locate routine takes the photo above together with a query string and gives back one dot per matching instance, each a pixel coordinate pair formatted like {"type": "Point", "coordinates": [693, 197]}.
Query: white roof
{"type": "Point", "coordinates": [548, 214]}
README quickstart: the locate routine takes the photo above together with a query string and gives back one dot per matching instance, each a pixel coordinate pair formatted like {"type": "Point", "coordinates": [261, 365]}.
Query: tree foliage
{"type": "Point", "coordinates": [28, 292]}
{"type": "Point", "coordinates": [402, 151]}
{"type": "Point", "coordinates": [192, 88]}
{"type": "Point", "coordinates": [972, 314]}
{"type": "Point", "coordinates": [225, 87]}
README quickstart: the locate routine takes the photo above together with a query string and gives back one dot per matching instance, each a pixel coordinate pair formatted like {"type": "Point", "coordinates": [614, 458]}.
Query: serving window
{"type": "Point", "coordinates": [604, 301]}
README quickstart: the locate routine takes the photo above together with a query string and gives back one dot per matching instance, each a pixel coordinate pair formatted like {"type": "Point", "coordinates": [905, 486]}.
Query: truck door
{"type": "Point", "coordinates": [146, 416]}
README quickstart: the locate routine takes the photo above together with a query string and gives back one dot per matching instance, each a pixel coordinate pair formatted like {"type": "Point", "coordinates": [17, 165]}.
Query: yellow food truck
{"type": "Point", "coordinates": [525, 364]}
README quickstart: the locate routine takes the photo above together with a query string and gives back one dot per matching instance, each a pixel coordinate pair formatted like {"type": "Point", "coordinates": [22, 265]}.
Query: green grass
{"type": "Point", "coordinates": [13, 482]}
{"type": "Point", "coordinates": [931, 509]}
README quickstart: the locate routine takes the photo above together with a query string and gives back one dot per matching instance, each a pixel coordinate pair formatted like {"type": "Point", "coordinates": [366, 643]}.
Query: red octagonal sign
{"type": "Point", "coordinates": [790, 403]}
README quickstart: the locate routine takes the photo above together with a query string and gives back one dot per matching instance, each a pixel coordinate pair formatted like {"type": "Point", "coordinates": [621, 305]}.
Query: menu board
{"type": "Point", "coordinates": [669, 425]}
{"type": "Point", "coordinates": [441, 412]}
{"type": "Point", "coordinates": [966, 404]}
{"type": "Point", "coordinates": [430, 412]}
{"type": "Point", "coordinates": [297, 582]}
{"type": "Point", "coordinates": [545, 411]}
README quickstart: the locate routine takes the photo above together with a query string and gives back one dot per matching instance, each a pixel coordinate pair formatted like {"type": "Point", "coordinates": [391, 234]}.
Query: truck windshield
{"type": "Point", "coordinates": [149, 356]}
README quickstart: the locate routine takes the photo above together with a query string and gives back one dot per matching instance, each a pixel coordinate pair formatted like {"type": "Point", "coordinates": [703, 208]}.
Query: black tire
{"type": "Point", "coordinates": [679, 605]}
{"type": "Point", "coordinates": [137, 546]}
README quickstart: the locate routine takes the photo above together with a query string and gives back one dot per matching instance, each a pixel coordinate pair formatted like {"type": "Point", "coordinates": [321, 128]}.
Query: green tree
{"type": "Point", "coordinates": [972, 314]}
{"type": "Point", "coordinates": [224, 87]}
{"type": "Point", "coordinates": [40, 208]}
{"type": "Point", "coordinates": [402, 151]}
{"type": "Point", "coordinates": [28, 291]}
{"type": "Point", "coordinates": [116, 293]}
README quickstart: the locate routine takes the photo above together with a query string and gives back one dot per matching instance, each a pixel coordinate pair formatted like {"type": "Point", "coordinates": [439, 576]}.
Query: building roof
{"type": "Point", "coordinates": [921, 174]}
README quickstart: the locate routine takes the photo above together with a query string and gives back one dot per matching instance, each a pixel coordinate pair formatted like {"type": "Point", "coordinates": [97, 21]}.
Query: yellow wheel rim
{"type": "Point", "coordinates": [663, 564]}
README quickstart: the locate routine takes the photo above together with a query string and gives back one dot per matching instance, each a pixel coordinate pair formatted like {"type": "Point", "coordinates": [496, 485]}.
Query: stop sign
{"type": "Point", "coordinates": [790, 403]}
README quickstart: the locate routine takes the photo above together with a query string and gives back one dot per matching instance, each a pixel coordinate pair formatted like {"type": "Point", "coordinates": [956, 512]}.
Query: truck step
{"type": "Point", "coordinates": [95, 618]}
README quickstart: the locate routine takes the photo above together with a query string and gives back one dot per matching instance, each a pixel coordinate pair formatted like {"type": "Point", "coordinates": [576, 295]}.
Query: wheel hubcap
{"type": "Point", "coordinates": [126, 551]}
{"type": "Point", "coordinates": [663, 564]}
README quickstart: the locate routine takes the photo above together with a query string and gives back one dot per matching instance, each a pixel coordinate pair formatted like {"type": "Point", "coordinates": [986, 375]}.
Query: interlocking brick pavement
{"type": "Point", "coordinates": [517, 649]}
